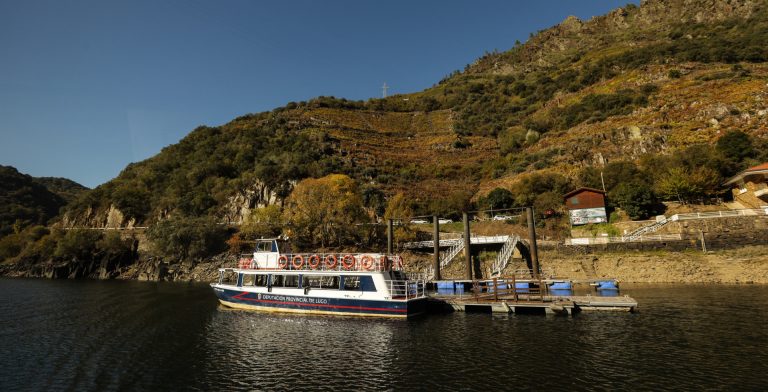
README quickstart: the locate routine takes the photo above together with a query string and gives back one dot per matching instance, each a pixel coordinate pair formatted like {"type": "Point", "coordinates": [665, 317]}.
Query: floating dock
{"type": "Point", "coordinates": [526, 297]}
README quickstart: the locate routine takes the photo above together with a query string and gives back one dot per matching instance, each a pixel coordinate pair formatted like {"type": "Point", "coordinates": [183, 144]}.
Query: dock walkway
{"type": "Point", "coordinates": [524, 296]}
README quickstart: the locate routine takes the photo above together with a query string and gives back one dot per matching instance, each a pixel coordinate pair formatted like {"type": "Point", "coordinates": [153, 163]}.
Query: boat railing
{"type": "Point", "coordinates": [406, 289]}
{"type": "Point", "coordinates": [326, 262]}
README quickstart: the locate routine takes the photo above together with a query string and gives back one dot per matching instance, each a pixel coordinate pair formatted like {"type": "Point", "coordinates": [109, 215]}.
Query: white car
{"type": "Point", "coordinates": [444, 221]}
{"type": "Point", "coordinates": [502, 217]}
{"type": "Point", "coordinates": [418, 221]}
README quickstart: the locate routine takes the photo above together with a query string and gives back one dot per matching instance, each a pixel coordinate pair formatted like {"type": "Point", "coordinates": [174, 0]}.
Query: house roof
{"type": "Point", "coordinates": [762, 168]}
{"type": "Point", "coordinates": [582, 189]}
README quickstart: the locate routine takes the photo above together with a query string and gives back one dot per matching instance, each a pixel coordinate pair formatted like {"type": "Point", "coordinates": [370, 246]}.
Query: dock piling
{"type": "Point", "coordinates": [436, 256]}
{"type": "Point", "coordinates": [467, 243]}
{"type": "Point", "coordinates": [532, 237]}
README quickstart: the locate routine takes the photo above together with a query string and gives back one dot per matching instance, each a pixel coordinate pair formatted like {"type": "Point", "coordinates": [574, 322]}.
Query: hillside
{"type": "Point", "coordinates": [63, 187]}
{"type": "Point", "coordinates": [640, 85]}
{"type": "Point", "coordinates": [24, 201]}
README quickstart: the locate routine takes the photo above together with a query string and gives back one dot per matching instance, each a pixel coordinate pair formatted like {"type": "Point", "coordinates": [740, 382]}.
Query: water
{"type": "Point", "coordinates": [90, 335]}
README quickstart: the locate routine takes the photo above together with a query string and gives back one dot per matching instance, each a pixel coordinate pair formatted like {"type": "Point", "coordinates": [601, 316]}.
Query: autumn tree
{"type": "Point", "coordinates": [262, 222]}
{"type": "Point", "coordinates": [687, 184]}
{"type": "Point", "coordinates": [325, 210]}
{"type": "Point", "coordinates": [398, 208]}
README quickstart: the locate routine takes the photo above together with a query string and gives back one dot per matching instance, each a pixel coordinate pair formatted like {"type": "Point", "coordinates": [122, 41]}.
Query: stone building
{"type": "Point", "coordinates": [750, 187]}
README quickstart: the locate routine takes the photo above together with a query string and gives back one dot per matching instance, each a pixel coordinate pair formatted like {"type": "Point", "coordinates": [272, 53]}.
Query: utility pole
{"type": "Point", "coordinates": [389, 236]}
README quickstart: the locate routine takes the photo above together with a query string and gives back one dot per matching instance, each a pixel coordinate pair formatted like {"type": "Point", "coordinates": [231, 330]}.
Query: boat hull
{"type": "Point", "coordinates": [308, 304]}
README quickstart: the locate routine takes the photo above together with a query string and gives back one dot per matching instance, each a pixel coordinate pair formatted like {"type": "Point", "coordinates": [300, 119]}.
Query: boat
{"type": "Point", "coordinates": [367, 284]}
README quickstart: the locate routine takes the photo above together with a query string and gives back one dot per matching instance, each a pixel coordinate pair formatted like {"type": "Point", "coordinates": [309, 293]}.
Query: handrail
{"type": "Point", "coordinates": [379, 262]}
{"type": "Point", "coordinates": [612, 240]}
{"type": "Point", "coordinates": [403, 290]}
{"type": "Point", "coordinates": [502, 259]}
{"type": "Point", "coordinates": [449, 255]}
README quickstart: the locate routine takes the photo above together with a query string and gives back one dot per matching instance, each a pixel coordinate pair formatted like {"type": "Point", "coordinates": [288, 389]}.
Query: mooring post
{"type": "Point", "coordinates": [390, 234]}
{"type": "Point", "coordinates": [532, 237]}
{"type": "Point", "coordinates": [467, 242]}
{"type": "Point", "coordinates": [436, 256]}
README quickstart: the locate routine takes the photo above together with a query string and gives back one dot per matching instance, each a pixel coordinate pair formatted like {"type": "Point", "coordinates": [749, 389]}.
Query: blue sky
{"type": "Point", "coordinates": [87, 87]}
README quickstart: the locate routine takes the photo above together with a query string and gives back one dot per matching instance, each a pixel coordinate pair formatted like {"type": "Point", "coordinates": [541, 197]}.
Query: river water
{"type": "Point", "coordinates": [104, 336]}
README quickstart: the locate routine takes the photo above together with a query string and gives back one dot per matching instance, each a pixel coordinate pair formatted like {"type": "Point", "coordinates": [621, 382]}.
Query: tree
{"type": "Point", "coordinates": [398, 208]}
{"type": "Point", "coordinates": [618, 172]}
{"type": "Point", "coordinates": [188, 238]}
{"type": "Point", "coordinates": [531, 187]}
{"type": "Point", "coordinates": [262, 222]}
{"type": "Point", "coordinates": [499, 199]}
{"type": "Point", "coordinates": [735, 146]}
{"type": "Point", "coordinates": [78, 244]}
{"type": "Point", "coordinates": [676, 184]}
{"type": "Point", "coordinates": [325, 210]}
{"type": "Point", "coordinates": [635, 198]}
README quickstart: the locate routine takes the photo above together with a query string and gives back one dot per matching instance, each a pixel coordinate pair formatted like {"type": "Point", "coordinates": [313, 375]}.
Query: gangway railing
{"type": "Point", "coordinates": [448, 255]}
{"type": "Point", "coordinates": [505, 254]}
{"type": "Point", "coordinates": [406, 289]}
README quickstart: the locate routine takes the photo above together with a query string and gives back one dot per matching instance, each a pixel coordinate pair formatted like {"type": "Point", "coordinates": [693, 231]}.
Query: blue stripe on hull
{"type": "Point", "coordinates": [321, 305]}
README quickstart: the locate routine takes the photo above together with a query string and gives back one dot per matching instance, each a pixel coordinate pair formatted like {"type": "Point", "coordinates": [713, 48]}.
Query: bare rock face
{"type": "Point", "coordinates": [255, 196]}
{"type": "Point", "coordinates": [111, 218]}
{"type": "Point", "coordinates": [114, 217]}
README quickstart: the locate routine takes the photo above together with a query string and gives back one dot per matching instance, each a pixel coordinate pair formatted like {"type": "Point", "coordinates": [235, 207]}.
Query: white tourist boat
{"type": "Point", "coordinates": [368, 284]}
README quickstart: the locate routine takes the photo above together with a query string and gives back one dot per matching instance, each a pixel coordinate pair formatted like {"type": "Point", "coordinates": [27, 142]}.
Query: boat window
{"type": "Point", "coordinates": [277, 280]}
{"type": "Point", "coordinates": [247, 280]}
{"type": "Point", "coordinates": [230, 277]}
{"type": "Point", "coordinates": [291, 281]}
{"type": "Point", "coordinates": [261, 280]}
{"type": "Point", "coordinates": [321, 282]}
{"type": "Point", "coordinates": [264, 247]}
{"type": "Point", "coordinates": [357, 282]}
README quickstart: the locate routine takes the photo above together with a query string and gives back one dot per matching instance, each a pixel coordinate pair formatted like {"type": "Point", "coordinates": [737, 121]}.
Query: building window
{"type": "Point", "coordinates": [575, 200]}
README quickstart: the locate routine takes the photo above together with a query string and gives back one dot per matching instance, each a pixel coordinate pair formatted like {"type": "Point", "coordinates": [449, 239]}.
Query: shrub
{"type": "Point", "coordinates": [78, 244]}
{"type": "Point", "coordinates": [188, 238]}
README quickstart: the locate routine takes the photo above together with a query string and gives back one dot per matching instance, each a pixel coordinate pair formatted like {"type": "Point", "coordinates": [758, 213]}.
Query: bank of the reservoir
{"type": "Point", "coordinates": [748, 264]}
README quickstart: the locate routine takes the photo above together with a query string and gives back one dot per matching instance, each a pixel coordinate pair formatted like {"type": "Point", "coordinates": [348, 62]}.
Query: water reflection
{"type": "Point", "coordinates": [143, 336]}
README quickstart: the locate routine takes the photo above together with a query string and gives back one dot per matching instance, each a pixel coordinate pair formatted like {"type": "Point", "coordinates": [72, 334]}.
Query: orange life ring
{"type": "Point", "coordinates": [348, 262]}
{"type": "Point", "coordinates": [313, 261]}
{"type": "Point", "coordinates": [282, 261]}
{"type": "Point", "coordinates": [297, 262]}
{"type": "Point", "coordinates": [331, 262]}
{"type": "Point", "coordinates": [367, 262]}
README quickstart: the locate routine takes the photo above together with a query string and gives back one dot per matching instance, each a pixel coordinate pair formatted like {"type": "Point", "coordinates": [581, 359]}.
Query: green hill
{"type": "Point", "coordinates": [639, 86]}
{"type": "Point", "coordinates": [24, 201]}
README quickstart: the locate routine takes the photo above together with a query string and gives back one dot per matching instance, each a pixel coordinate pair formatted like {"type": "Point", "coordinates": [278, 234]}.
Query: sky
{"type": "Point", "coordinates": [87, 87]}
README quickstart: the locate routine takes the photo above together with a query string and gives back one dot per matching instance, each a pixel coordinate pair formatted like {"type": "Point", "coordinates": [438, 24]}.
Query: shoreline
{"type": "Point", "coordinates": [744, 265]}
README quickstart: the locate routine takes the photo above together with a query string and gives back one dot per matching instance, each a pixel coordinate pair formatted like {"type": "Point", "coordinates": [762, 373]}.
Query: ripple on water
{"type": "Point", "coordinates": [143, 336]}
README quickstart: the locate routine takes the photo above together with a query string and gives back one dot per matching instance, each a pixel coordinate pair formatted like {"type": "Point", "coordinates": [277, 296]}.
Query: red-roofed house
{"type": "Point", "coordinates": [750, 187]}
{"type": "Point", "coordinates": [586, 205]}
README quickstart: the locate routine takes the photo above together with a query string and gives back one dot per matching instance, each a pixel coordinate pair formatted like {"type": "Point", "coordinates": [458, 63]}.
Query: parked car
{"type": "Point", "coordinates": [443, 221]}
{"type": "Point", "coordinates": [418, 221]}
{"type": "Point", "coordinates": [503, 217]}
